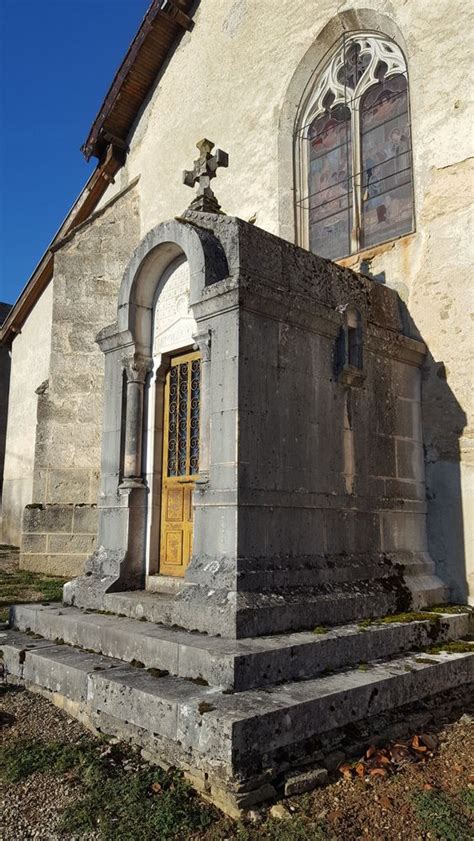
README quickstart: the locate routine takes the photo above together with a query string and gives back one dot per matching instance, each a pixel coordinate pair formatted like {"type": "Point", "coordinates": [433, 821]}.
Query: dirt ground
{"type": "Point", "coordinates": [429, 798]}
{"type": "Point", "coordinates": [58, 781]}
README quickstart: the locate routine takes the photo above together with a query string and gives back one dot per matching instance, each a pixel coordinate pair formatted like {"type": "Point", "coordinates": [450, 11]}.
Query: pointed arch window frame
{"type": "Point", "coordinates": [324, 80]}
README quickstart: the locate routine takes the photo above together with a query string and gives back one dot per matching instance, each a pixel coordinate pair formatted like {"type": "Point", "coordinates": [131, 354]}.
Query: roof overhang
{"type": "Point", "coordinates": [159, 32]}
{"type": "Point", "coordinates": [163, 23]}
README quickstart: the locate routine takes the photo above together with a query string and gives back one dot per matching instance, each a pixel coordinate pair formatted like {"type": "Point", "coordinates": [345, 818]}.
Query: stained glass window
{"type": "Point", "coordinates": [355, 150]}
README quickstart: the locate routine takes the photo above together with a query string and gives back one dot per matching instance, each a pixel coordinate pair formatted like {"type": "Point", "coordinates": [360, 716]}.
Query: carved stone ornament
{"type": "Point", "coordinates": [137, 368]}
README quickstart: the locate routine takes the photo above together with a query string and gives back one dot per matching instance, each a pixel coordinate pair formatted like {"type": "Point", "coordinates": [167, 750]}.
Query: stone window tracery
{"type": "Point", "coordinates": [354, 150]}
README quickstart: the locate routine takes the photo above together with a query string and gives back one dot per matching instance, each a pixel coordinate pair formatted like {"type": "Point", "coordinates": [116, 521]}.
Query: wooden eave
{"type": "Point", "coordinates": [81, 210]}
{"type": "Point", "coordinates": [163, 24]}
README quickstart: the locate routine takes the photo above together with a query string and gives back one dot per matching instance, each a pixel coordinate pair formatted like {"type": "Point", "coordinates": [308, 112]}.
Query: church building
{"type": "Point", "coordinates": [239, 393]}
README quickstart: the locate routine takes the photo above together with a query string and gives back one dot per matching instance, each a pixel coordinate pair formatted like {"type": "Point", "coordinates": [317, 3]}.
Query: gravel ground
{"type": "Point", "coordinates": [31, 808]}
{"type": "Point", "coordinates": [348, 809]}
{"type": "Point", "coordinates": [372, 809]}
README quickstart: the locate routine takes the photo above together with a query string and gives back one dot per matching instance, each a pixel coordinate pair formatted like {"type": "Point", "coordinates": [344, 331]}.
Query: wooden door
{"type": "Point", "coordinates": [180, 462]}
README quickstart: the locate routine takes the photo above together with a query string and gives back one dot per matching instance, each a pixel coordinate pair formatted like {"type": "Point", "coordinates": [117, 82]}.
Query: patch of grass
{"type": "Point", "coordinates": [452, 647]}
{"type": "Point", "coordinates": [441, 816]}
{"type": "Point", "coordinates": [467, 798]}
{"type": "Point", "coordinates": [24, 758]}
{"type": "Point", "coordinates": [21, 585]}
{"type": "Point", "coordinates": [147, 802]}
{"type": "Point", "coordinates": [320, 629]}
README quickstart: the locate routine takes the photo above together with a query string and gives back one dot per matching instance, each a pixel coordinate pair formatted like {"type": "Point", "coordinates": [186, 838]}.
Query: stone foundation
{"type": "Point", "coordinates": [58, 539]}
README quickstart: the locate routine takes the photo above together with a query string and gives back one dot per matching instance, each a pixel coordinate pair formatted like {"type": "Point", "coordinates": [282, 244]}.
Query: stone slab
{"type": "Point", "coordinates": [240, 664]}
{"type": "Point", "coordinates": [228, 731]}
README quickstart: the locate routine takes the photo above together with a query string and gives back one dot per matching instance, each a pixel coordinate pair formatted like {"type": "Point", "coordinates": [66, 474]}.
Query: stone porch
{"type": "Point", "coordinates": [310, 511]}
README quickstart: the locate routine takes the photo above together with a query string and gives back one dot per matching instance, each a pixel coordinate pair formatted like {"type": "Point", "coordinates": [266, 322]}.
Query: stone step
{"type": "Point", "coordinates": [234, 664]}
{"type": "Point", "coordinates": [223, 737]}
{"type": "Point", "coordinates": [269, 613]}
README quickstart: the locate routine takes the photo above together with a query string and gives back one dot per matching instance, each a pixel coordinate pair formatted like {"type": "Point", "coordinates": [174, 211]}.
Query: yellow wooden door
{"type": "Point", "coordinates": [180, 462]}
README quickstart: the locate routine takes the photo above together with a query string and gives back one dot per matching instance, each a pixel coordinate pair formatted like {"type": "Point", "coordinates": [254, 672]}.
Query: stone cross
{"type": "Point", "coordinates": [204, 169]}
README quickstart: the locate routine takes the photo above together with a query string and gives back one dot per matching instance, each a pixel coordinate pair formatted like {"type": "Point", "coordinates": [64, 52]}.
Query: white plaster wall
{"type": "Point", "coordinates": [30, 367]}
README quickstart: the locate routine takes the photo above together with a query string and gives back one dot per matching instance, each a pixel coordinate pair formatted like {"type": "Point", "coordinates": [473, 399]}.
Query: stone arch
{"type": "Point", "coordinates": [298, 89]}
{"type": "Point", "coordinates": [159, 248]}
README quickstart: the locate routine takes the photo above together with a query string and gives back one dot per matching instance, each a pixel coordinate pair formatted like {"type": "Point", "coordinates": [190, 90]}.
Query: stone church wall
{"type": "Point", "coordinates": [5, 366]}
{"type": "Point", "coordinates": [29, 369]}
{"type": "Point", "coordinates": [238, 78]}
{"type": "Point", "coordinates": [59, 527]}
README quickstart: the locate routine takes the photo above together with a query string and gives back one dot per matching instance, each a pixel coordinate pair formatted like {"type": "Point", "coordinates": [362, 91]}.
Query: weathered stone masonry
{"type": "Point", "coordinates": [60, 528]}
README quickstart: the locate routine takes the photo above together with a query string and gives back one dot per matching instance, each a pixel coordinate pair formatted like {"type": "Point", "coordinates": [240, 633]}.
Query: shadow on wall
{"type": "Point", "coordinates": [443, 423]}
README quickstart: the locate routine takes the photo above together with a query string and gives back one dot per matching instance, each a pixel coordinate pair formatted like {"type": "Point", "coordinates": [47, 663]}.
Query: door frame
{"type": "Point", "coordinates": [183, 482]}
{"type": "Point", "coordinates": [153, 451]}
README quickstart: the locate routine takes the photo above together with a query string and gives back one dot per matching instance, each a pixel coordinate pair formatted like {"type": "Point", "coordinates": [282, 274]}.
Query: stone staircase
{"type": "Point", "coordinates": [236, 715]}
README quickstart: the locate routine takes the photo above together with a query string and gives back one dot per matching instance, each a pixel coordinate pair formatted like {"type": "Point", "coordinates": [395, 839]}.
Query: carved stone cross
{"type": "Point", "coordinates": [204, 169]}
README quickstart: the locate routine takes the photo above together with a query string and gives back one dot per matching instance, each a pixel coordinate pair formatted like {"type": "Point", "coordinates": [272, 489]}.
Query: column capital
{"type": "Point", "coordinates": [203, 342]}
{"type": "Point", "coordinates": [137, 367]}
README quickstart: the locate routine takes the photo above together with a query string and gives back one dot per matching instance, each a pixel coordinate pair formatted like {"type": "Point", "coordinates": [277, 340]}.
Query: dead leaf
{"type": "Point", "coordinates": [346, 771]}
{"type": "Point", "coordinates": [385, 801]}
{"type": "Point", "coordinates": [156, 788]}
{"type": "Point", "coordinates": [360, 769]}
{"type": "Point", "coordinates": [370, 751]}
{"type": "Point", "coordinates": [378, 772]}
{"type": "Point", "coordinates": [399, 753]}
{"type": "Point", "coordinates": [430, 741]}
{"type": "Point", "coordinates": [427, 787]}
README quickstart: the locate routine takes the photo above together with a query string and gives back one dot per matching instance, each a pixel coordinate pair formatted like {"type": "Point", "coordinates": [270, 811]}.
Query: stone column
{"type": "Point", "coordinates": [136, 369]}
{"type": "Point", "coordinates": [203, 344]}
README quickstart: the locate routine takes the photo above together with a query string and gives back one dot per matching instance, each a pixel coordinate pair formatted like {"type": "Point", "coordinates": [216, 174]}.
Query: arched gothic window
{"type": "Point", "coordinates": [354, 150]}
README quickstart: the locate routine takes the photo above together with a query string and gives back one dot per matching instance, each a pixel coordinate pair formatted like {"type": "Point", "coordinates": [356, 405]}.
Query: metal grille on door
{"type": "Point", "coordinates": [180, 462]}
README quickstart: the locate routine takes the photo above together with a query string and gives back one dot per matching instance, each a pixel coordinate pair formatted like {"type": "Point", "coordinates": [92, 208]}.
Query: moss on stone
{"type": "Point", "coordinates": [396, 618]}
{"type": "Point", "coordinates": [158, 672]}
{"type": "Point", "coordinates": [452, 647]}
{"type": "Point", "coordinates": [320, 629]}
{"type": "Point", "coordinates": [453, 609]}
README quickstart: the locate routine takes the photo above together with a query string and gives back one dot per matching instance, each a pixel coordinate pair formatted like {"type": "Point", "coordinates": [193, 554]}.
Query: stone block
{"type": "Point", "coordinates": [403, 530]}
{"type": "Point", "coordinates": [65, 566]}
{"type": "Point", "coordinates": [299, 783]}
{"type": "Point", "coordinates": [408, 419]}
{"type": "Point", "coordinates": [144, 700]}
{"type": "Point", "coordinates": [85, 519]}
{"type": "Point", "coordinates": [381, 456]}
{"type": "Point", "coordinates": [64, 670]}
{"type": "Point", "coordinates": [47, 518]}
{"type": "Point", "coordinates": [398, 489]}
{"type": "Point", "coordinates": [32, 543]}
{"type": "Point", "coordinates": [69, 544]}
{"type": "Point", "coordinates": [410, 462]}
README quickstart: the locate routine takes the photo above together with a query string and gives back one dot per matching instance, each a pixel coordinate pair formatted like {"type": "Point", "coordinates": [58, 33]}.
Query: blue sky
{"type": "Point", "coordinates": [57, 60]}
